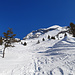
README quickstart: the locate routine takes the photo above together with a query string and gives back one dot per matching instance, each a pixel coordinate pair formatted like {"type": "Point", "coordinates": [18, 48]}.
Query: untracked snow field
{"type": "Point", "coordinates": [49, 57]}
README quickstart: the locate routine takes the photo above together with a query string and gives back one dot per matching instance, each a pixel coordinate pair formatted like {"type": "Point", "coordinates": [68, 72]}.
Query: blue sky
{"type": "Point", "coordinates": [27, 15]}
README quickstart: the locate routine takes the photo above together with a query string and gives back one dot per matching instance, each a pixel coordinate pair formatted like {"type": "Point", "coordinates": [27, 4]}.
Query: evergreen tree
{"type": "Point", "coordinates": [48, 37]}
{"type": "Point", "coordinates": [65, 35]}
{"type": "Point", "coordinates": [9, 36]}
{"type": "Point", "coordinates": [1, 41]}
{"type": "Point", "coordinates": [8, 39]}
{"type": "Point", "coordinates": [72, 29]}
{"type": "Point", "coordinates": [25, 44]}
{"type": "Point", "coordinates": [38, 42]}
{"type": "Point", "coordinates": [43, 39]}
{"type": "Point", "coordinates": [53, 37]}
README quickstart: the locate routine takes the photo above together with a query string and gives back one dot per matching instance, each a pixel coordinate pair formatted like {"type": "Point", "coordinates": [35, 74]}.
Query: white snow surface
{"type": "Point", "coordinates": [39, 32]}
{"type": "Point", "coordinates": [49, 57]}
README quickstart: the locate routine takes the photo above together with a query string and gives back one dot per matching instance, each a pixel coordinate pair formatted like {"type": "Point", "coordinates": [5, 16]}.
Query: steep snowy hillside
{"type": "Point", "coordinates": [37, 33]}
{"type": "Point", "coordinates": [49, 57]}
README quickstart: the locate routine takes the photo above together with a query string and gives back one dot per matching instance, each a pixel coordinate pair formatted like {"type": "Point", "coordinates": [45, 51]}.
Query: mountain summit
{"type": "Point", "coordinates": [37, 33]}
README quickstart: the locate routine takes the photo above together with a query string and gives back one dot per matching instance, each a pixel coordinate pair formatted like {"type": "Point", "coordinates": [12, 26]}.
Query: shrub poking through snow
{"type": "Point", "coordinates": [38, 42]}
{"type": "Point", "coordinates": [22, 43]}
{"type": "Point", "coordinates": [48, 37]}
{"type": "Point", "coordinates": [65, 35]}
{"type": "Point", "coordinates": [43, 39]}
{"type": "Point", "coordinates": [25, 44]}
{"type": "Point", "coordinates": [53, 37]}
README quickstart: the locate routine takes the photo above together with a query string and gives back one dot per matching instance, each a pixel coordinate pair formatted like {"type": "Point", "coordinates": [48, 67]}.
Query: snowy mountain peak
{"type": "Point", "coordinates": [55, 26]}
{"type": "Point", "coordinates": [42, 31]}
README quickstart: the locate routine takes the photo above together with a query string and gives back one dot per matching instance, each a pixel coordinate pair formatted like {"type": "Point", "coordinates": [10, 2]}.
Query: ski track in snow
{"type": "Point", "coordinates": [59, 60]}
{"type": "Point", "coordinates": [42, 59]}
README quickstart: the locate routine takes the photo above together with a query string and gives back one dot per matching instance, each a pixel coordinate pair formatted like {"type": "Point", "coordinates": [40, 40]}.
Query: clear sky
{"type": "Point", "coordinates": [27, 15]}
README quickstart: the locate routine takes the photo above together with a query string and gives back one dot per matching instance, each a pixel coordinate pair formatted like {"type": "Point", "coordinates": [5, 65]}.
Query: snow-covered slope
{"type": "Point", "coordinates": [49, 57]}
{"type": "Point", "coordinates": [37, 33]}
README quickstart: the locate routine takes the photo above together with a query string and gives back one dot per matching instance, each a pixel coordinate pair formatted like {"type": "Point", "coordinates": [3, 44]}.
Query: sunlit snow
{"type": "Point", "coordinates": [49, 57]}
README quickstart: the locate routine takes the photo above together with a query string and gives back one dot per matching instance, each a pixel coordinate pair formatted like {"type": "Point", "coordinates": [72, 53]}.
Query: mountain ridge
{"type": "Point", "coordinates": [37, 33]}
